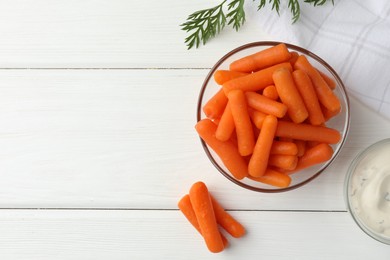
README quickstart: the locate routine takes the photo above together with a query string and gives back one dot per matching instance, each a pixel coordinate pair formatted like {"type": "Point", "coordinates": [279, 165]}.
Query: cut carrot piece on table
{"type": "Point", "coordinates": [271, 92]}
{"type": "Point", "coordinates": [262, 59]}
{"type": "Point", "coordinates": [185, 207]}
{"type": "Point", "coordinates": [324, 93]}
{"type": "Point", "coordinates": [259, 161]}
{"type": "Point", "coordinates": [265, 105]}
{"type": "Point", "coordinates": [227, 151]}
{"type": "Point", "coordinates": [222, 76]}
{"type": "Point", "coordinates": [226, 221]}
{"type": "Point", "coordinates": [309, 96]}
{"type": "Point", "coordinates": [255, 81]}
{"type": "Point", "coordinates": [289, 95]}
{"type": "Point", "coordinates": [307, 132]}
{"type": "Point", "coordinates": [242, 122]}
{"type": "Point", "coordinates": [226, 125]}
{"type": "Point", "coordinates": [215, 106]}
{"type": "Point", "coordinates": [274, 178]}
{"type": "Point", "coordinates": [203, 208]}
{"type": "Point", "coordinates": [285, 148]}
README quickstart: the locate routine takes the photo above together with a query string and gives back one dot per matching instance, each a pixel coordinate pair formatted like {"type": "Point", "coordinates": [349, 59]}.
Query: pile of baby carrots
{"type": "Point", "coordinates": [205, 213]}
{"type": "Point", "coordinates": [268, 119]}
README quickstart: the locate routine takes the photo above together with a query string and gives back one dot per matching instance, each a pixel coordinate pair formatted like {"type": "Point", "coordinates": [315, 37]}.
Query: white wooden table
{"type": "Point", "coordinates": [96, 150]}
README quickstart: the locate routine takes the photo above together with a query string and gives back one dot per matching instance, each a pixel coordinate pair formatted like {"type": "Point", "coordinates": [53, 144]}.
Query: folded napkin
{"type": "Point", "coordinates": [351, 36]}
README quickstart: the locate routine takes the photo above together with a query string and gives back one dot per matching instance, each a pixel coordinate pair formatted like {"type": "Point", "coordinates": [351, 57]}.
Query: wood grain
{"type": "Point", "coordinates": [70, 234]}
{"type": "Point", "coordinates": [126, 139]}
{"type": "Point", "coordinates": [102, 34]}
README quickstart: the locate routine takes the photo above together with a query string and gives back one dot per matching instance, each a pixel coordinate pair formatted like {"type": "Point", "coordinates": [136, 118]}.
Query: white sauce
{"type": "Point", "coordinates": [370, 191]}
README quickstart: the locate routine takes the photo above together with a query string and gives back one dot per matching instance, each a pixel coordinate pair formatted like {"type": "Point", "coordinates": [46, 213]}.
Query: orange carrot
{"type": "Point", "coordinates": [227, 151]}
{"type": "Point", "coordinates": [203, 208]}
{"type": "Point", "coordinates": [310, 144]}
{"type": "Point", "coordinates": [255, 81]}
{"type": "Point", "coordinates": [324, 93]}
{"type": "Point", "coordinates": [225, 127]}
{"type": "Point", "coordinates": [273, 178]}
{"type": "Point", "coordinates": [285, 148]}
{"type": "Point", "coordinates": [289, 95]}
{"type": "Point", "coordinates": [257, 117]}
{"type": "Point", "coordinates": [259, 161]}
{"type": "Point", "coordinates": [185, 207]}
{"type": "Point", "coordinates": [265, 105]}
{"type": "Point", "coordinates": [287, 162]}
{"type": "Point", "coordinates": [294, 57]}
{"type": "Point", "coordinates": [301, 145]}
{"type": "Point", "coordinates": [231, 225]}
{"type": "Point", "coordinates": [307, 132]}
{"type": "Point", "coordinates": [242, 122]}
{"type": "Point", "coordinates": [315, 155]}
{"type": "Point", "coordinates": [271, 92]}
{"type": "Point", "coordinates": [222, 76]}
{"type": "Point", "coordinates": [309, 96]}
{"type": "Point", "coordinates": [331, 83]}
{"type": "Point", "coordinates": [215, 106]}
{"type": "Point", "coordinates": [329, 114]}
{"type": "Point", "coordinates": [262, 59]}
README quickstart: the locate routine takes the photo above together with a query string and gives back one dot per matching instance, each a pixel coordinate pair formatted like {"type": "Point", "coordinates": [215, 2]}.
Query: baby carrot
{"type": "Point", "coordinates": [257, 117]}
{"type": "Point", "coordinates": [286, 162]}
{"type": "Point", "coordinates": [265, 105]}
{"type": "Point", "coordinates": [309, 96]}
{"type": "Point", "coordinates": [301, 145]}
{"type": "Point", "coordinates": [222, 76]}
{"type": "Point", "coordinates": [225, 220]}
{"type": "Point", "coordinates": [242, 122]}
{"type": "Point", "coordinates": [324, 93]}
{"type": "Point", "coordinates": [227, 151]}
{"type": "Point", "coordinates": [294, 57]}
{"type": "Point", "coordinates": [289, 95]}
{"type": "Point", "coordinates": [271, 92]}
{"type": "Point", "coordinates": [259, 160]}
{"type": "Point", "coordinates": [215, 106]}
{"type": "Point", "coordinates": [262, 59]}
{"type": "Point", "coordinates": [203, 208]}
{"type": "Point", "coordinates": [274, 178]}
{"type": "Point", "coordinates": [329, 114]}
{"type": "Point", "coordinates": [255, 81]}
{"type": "Point", "coordinates": [307, 132]}
{"type": "Point", "coordinates": [285, 148]}
{"type": "Point", "coordinates": [331, 83]}
{"type": "Point", "coordinates": [315, 155]}
{"type": "Point", "coordinates": [225, 126]}
{"type": "Point", "coordinates": [185, 207]}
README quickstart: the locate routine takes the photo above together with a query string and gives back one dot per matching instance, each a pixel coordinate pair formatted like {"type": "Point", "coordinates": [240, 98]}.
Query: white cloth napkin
{"type": "Point", "coordinates": [353, 36]}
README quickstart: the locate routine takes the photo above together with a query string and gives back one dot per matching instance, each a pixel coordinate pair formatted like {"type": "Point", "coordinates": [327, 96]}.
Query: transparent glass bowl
{"type": "Point", "coordinates": [339, 122]}
{"type": "Point", "coordinates": [369, 164]}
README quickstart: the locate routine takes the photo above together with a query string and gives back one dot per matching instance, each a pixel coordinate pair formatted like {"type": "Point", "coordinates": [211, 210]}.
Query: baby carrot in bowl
{"type": "Point", "coordinates": [304, 97]}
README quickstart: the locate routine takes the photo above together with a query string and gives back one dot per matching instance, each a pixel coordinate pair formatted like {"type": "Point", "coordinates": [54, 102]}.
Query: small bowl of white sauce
{"type": "Point", "coordinates": [367, 190]}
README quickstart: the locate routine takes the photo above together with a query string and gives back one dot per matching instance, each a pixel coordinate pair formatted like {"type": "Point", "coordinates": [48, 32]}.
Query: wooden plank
{"type": "Point", "coordinates": [126, 139]}
{"type": "Point", "coordinates": [101, 34]}
{"type": "Point", "coordinates": [53, 234]}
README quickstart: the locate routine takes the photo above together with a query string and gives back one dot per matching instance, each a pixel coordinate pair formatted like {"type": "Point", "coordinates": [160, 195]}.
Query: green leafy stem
{"type": "Point", "coordinates": [205, 24]}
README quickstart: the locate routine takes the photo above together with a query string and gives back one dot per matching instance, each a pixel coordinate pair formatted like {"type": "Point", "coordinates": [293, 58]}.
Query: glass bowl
{"type": "Point", "coordinates": [339, 122]}
{"type": "Point", "coordinates": [367, 190]}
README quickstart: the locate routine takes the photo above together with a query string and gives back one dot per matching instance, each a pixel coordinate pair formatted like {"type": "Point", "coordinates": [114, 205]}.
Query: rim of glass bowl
{"type": "Point", "coordinates": [348, 178]}
{"type": "Point", "coordinates": [290, 47]}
